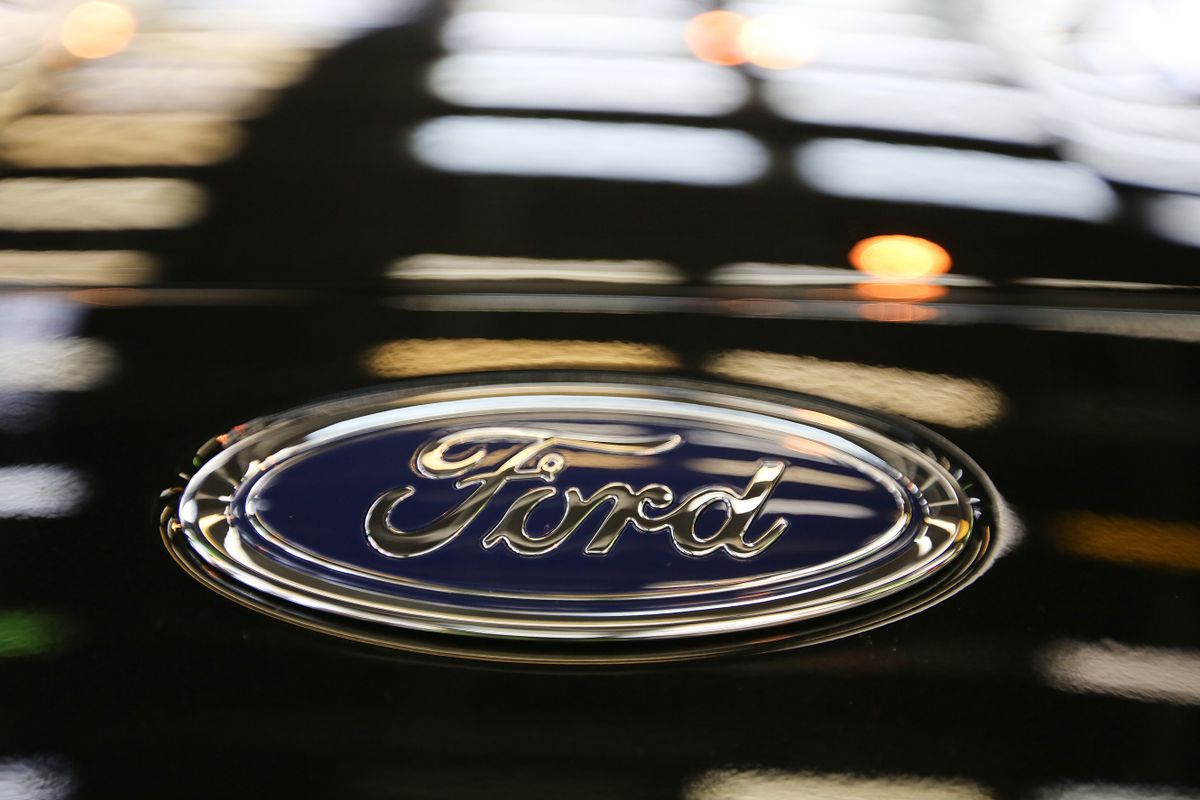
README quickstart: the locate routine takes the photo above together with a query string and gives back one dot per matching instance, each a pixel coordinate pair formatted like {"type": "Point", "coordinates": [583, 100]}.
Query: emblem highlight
{"type": "Point", "coordinates": [544, 458]}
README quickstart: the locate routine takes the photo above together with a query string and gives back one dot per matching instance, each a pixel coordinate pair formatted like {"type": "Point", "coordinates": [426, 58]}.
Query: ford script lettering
{"type": "Point", "coordinates": [544, 458]}
{"type": "Point", "coordinates": [587, 520]}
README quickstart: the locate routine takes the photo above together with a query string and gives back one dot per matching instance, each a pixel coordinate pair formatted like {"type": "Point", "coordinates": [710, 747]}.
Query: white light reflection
{"type": "Point", "coordinates": [762, 274]}
{"type": "Point", "coordinates": [741, 469]}
{"type": "Point", "coordinates": [1136, 158]}
{"type": "Point", "coordinates": [67, 364]}
{"type": "Point", "coordinates": [603, 150]}
{"type": "Point", "coordinates": [853, 16]}
{"type": "Point", "coordinates": [928, 57]}
{"type": "Point", "coordinates": [98, 203]}
{"type": "Point", "coordinates": [1081, 283]}
{"type": "Point", "coordinates": [439, 267]}
{"type": "Point", "coordinates": [920, 105]}
{"type": "Point", "coordinates": [1112, 791]}
{"type": "Point", "coordinates": [818, 508]}
{"type": "Point", "coordinates": [941, 399]}
{"type": "Point", "coordinates": [1175, 217]}
{"type": "Point", "coordinates": [313, 23]}
{"type": "Point", "coordinates": [780, 785]}
{"type": "Point", "coordinates": [104, 88]}
{"type": "Point", "coordinates": [572, 33]}
{"type": "Point", "coordinates": [35, 778]}
{"type": "Point", "coordinates": [1148, 674]}
{"type": "Point", "coordinates": [669, 86]}
{"type": "Point", "coordinates": [76, 267]}
{"type": "Point", "coordinates": [672, 9]}
{"type": "Point", "coordinates": [1168, 326]}
{"type": "Point", "coordinates": [40, 490]}
{"type": "Point", "coordinates": [947, 177]}
{"type": "Point", "coordinates": [117, 140]}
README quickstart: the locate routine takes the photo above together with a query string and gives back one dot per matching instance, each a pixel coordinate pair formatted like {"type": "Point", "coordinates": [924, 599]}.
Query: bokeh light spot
{"type": "Point", "coordinates": [97, 29]}
{"type": "Point", "coordinates": [778, 41]}
{"type": "Point", "coordinates": [714, 37]}
{"type": "Point", "coordinates": [900, 257]}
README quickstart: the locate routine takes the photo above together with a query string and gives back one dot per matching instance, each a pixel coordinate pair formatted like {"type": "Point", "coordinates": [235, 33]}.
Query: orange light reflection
{"type": "Point", "coordinates": [714, 37]}
{"type": "Point", "coordinates": [907, 292]}
{"type": "Point", "coordinates": [896, 312]}
{"type": "Point", "coordinates": [97, 29]}
{"type": "Point", "coordinates": [901, 257]}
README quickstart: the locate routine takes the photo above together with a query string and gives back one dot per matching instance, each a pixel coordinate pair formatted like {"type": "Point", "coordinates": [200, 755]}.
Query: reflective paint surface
{"type": "Point", "coordinates": [322, 256]}
{"type": "Point", "coordinates": [580, 511]}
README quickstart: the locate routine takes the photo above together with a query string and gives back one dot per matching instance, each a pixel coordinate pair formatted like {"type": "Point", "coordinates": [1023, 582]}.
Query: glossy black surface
{"type": "Point", "coordinates": [123, 674]}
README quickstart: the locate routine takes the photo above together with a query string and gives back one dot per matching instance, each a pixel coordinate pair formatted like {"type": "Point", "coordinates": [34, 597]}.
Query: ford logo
{"type": "Point", "coordinates": [582, 520]}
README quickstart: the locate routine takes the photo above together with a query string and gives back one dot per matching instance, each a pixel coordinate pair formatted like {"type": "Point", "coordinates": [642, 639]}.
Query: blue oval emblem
{"type": "Point", "coordinates": [596, 521]}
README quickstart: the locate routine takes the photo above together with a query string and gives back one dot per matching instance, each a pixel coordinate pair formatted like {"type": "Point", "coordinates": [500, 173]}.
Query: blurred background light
{"type": "Point", "coordinates": [715, 37]}
{"type": "Point", "coordinates": [441, 267]}
{"type": "Point", "coordinates": [165, 87]}
{"type": "Point", "coordinates": [941, 399]}
{"type": "Point", "coordinates": [667, 86]}
{"type": "Point", "coordinates": [35, 778]}
{"type": "Point", "coordinates": [1113, 791]}
{"type": "Point", "coordinates": [896, 256]}
{"type": "Point", "coordinates": [566, 32]}
{"type": "Point", "coordinates": [1147, 674]}
{"type": "Point", "coordinates": [882, 101]}
{"type": "Point", "coordinates": [1175, 217]}
{"type": "Point", "coordinates": [778, 41]}
{"type": "Point", "coordinates": [118, 140]}
{"type": "Point", "coordinates": [779, 785]}
{"type": "Point", "coordinates": [76, 267]}
{"type": "Point", "coordinates": [97, 29]}
{"type": "Point", "coordinates": [928, 57]}
{"type": "Point", "coordinates": [29, 633]}
{"type": "Point", "coordinates": [1134, 542]}
{"type": "Point", "coordinates": [415, 357]}
{"type": "Point", "coordinates": [962, 178]}
{"type": "Point", "coordinates": [98, 203]}
{"type": "Point", "coordinates": [647, 9]}
{"type": "Point", "coordinates": [1167, 326]}
{"type": "Point", "coordinates": [40, 490]}
{"type": "Point", "coordinates": [581, 149]}
{"type": "Point", "coordinates": [63, 364]}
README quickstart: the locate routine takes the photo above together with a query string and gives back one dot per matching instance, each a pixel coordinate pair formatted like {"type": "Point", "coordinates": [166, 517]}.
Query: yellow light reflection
{"type": "Point", "coordinates": [119, 140]}
{"type": "Point", "coordinates": [714, 36]}
{"type": "Point", "coordinates": [759, 784]}
{"type": "Point", "coordinates": [445, 267]}
{"type": "Point", "coordinates": [413, 357]}
{"type": "Point", "coordinates": [97, 29]}
{"type": "Point", "coordinates": [941, 399]}
{"type": "Point", "coordinates": [1173, 546]}
{"type": "Point", "coordinates": [778, 41]}
{"type": "Point", "coordinates": [75, 267]}
{"type": "Point", "coordinates": [903, 257]}
{"type": "Point", "coordinates": [98, 203]}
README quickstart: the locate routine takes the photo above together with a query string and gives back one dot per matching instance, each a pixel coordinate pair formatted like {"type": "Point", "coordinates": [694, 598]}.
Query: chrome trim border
{"type": "Point", "coordinates": [958, 539]}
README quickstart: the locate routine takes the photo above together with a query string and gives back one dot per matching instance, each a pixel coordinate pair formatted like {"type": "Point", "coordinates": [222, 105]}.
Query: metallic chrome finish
{"type": "Point", "coordinates": [431, 462]}
{"type": "Point", "coordinates": [942, 536]}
